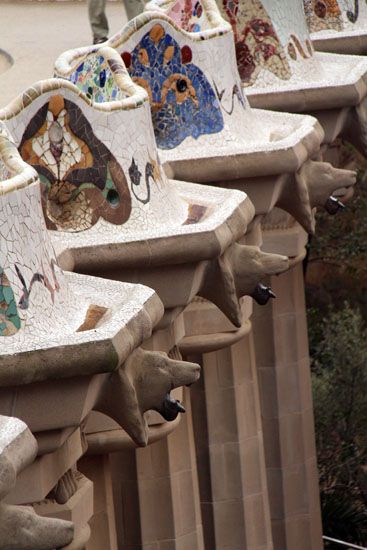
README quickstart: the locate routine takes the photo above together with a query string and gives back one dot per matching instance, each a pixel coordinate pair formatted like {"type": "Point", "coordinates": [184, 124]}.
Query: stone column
{"type": "Point", "coordinates": [156, 493]}
{"type": "Point", "coordinates": [228, 434]}
{"type": "Point", "coordinates": [103, 521]}
{"type": "Point", "coordinates": [282, 358]}
{"type": "Point", "coordinates": [155, 489]}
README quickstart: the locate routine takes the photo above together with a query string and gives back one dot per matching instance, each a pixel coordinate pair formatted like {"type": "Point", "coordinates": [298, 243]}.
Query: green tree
{"type": "Point", "coordinates": [339, 365]}
{"type": "Point", "coordinates": [337, 262]}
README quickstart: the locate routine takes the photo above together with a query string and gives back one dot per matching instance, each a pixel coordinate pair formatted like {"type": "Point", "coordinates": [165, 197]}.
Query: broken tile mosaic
{"type": "Point", "coordinates": [9, 318]}
{"type": "Point", "coordinates": [190, 15]}
{"type": "Point", "coordinates": [95, 78]}
{"type": "Point", "coordinates": [259, 45]}
{"type": "Point", "coordinates": [41, 307]}
{"type": "Point", "coordinates": [326, 14]}
{"type": "Point", "coordinates": [182, 100]}
{"type": "Point", "coordinates": [82, 181]}
{"type": "Point", "coordinates": [328, 17]}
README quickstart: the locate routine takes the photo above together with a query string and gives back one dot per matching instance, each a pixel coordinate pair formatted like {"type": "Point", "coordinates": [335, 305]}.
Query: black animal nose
{"type": "Point", "coordinates": [262, 294]}
{"type": "Point", "coordinates": [181, 85]}
{"type": "Point", "coordinates": [333, 205]}
{"type": "Point", "coordinates": [171, 408]}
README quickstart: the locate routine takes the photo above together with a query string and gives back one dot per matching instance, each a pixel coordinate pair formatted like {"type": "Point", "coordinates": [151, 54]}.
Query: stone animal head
{"type": "Point", "coordinates": [144, 383]}
{"type": "Point", "coordinates": [239, 272]}
{"type": "Point", "coordinates": [182, 99]}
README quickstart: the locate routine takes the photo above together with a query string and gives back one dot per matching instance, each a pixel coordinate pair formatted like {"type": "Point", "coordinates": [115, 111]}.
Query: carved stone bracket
{"type": "Point", "coordinates": [312, 187]}
{"type": "Point", "coordinates": [65, 488]}
{"type": "Point", "coordinates": [143, 383]}
{"type": "Point", "coordinates": [238, 272]}
{"type": "Point", "coordinates": [355, 128]}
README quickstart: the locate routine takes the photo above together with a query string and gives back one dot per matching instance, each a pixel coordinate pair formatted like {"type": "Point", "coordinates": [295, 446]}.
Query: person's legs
{"type": "Point", "coordinates": [98, 20]}
{"type": "Point", "coordinates": [133, 8]}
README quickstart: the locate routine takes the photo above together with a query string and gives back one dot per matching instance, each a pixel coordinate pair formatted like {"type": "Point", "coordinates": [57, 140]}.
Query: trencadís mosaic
{"type": "Point", "coordinates": [338, 15]}
{"type": "Point", "coordinates": [260, 46]}
{"type": "Point", "coordinates": [82, 181]}
{"type": "Point", "coordinates": [190, 15]}
{"type": "Point", "coordinates": [95, 78]}
{"type": "Point", "coordinates": [182, 100]}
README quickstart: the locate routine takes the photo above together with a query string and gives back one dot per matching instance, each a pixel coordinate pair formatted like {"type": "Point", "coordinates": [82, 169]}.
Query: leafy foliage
{"type": "Point", "coordinates": [339, 365]}
{"type": "Point", "coordinates": [336, 279]}
{"type": "Point", "coordinates": [337, 261]}
{"type": "Point", "coordinates": [344, 518]}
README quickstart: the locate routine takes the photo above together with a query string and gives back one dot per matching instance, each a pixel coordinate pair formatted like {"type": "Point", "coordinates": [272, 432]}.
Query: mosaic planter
{"type": "Point", "coordinates": [203, 124]}
{"type": "Point", "coordinates": [339, 26]}
{"type": "Point", "coordinates": [280, 69]}
{"type": "Point", "coordinates": [67, 335]}
{"type": "Point", "coordinates": [278, 64]}
{"type": "Point", "coordinates": [88, 150]}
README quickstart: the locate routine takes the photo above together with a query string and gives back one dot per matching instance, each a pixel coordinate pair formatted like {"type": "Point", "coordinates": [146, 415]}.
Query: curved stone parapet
{"type": "Point", "coordinates": [44, 309]}
{"type": "Point", "coordinates": [74, 134]}
{"type": "Point", "coordinates": [20, 527]}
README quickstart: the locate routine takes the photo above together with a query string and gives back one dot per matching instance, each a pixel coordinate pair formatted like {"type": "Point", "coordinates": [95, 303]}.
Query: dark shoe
{"type": "Point", "coordinates": [98, 40]}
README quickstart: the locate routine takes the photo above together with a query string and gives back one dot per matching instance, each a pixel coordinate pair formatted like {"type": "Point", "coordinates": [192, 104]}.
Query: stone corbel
{"type": "Point", "coordinates": [315, 185]}
{"type": "Point", "coordinates": [20, 527]}
{"type": "Point", "coordinates": [144, 383]}
{"type": "Point", "coordinates": [238, 272]}
{"type": "Point", "coordinates": [355, 127]}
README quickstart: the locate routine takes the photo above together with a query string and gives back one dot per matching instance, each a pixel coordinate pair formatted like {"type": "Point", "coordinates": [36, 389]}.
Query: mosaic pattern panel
{"type": "Point", "coordinates": [82, 181]}
{"type": "Point", "coordinates": [4, 173]}
{"type": "Point", "coordinates": [337, 15]}
{"type": "Point", "coordinates": [52, 286]}
{"type": "Point", "coordinates": [258, 44]}
{"type": "Point", "coordinates": [326, 14]}
{"type": "Point", "coordinates": [33, 293]}
{"type": "Point", "coordinates": [189, 15]}
{"type": "Point", "coordinates": [95, 78]}
{"type": "Point", "coordinates": [182, 100]}
{"type": "Point", "coordinates": [9, 318]}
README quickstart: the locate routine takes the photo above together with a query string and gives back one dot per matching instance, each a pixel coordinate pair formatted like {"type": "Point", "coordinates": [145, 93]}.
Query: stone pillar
{"type": "Point", "coordinates": [156, 493]}
{"type": "Point", "coordinates": [103, 521]}
{"type": "Point", "coordinates": [282, 358]}
{"type": "Point", "coordinates": [228, 438]}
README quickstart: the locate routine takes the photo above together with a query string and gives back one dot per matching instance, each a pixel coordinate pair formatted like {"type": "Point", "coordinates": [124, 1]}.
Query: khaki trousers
{"type": "Point", "coordinates": [98, 19]}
